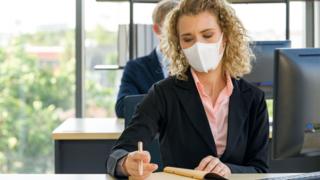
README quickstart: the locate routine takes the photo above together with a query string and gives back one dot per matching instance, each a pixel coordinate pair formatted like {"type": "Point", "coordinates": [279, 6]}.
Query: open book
{"type": "Point", "coordinates": [173, 173]}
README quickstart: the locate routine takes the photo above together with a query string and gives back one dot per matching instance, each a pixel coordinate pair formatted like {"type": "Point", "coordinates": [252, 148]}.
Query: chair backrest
{"type": "Point", "coordinates": [130, 103]}
{"type": "Point", "coordinates": [129, 106]}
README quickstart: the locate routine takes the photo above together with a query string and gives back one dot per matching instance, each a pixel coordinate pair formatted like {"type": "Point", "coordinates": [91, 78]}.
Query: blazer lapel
{"type": "Point", "coordinates": [236, 117]}
{"type": "Point", "coordinates": [191, 102]}
{"type": "Point", "coordinates": [154, 66]}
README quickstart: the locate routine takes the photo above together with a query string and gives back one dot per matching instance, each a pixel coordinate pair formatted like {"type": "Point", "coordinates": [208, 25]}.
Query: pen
{"type": "Point", "coordinates": [140, 149]}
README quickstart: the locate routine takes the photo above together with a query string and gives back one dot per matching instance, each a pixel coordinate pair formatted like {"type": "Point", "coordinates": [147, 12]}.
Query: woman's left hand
{"type": "Point", "coordinates": [213, 164]}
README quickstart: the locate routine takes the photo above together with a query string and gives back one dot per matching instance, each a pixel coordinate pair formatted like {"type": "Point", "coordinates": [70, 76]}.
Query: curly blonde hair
{"type": "Point", "coordinates": [237, 55]}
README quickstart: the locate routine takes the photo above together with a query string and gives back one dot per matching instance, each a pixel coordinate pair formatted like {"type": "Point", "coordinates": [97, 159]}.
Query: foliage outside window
{"type": "Point", "coordinates": [36, 94]}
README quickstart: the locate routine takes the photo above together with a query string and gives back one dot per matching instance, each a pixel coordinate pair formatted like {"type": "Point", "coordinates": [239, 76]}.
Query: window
{"type": "Point", "coordinates": [271, 26]}
{"type": "Point", "coordinates": [143, 13]}
{"type": "Point", "coordinates": [260, 23]}
{"type": "Point", "coordinates": [263, 25]}
{"type": "Point", "coordinates": [298, 24]}
{"type": "Point", "coordinates": [317, 24]}
{"type": "Point", "coordinates": [37, 83]}
{"type": "Point", "coordinates": [102, 20]}
{"type": "Point", "coordinates": [102, 46]}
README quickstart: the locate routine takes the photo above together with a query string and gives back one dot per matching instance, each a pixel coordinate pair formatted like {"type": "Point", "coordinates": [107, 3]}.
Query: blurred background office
{"type": "Point", "coordinates": [49, 52]}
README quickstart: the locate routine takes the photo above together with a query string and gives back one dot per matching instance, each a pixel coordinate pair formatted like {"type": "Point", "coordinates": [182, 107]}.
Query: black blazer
{"type": "Point", "coordinates": [138, 76]}
{"type": "Point", "coordinates": [173, 107]}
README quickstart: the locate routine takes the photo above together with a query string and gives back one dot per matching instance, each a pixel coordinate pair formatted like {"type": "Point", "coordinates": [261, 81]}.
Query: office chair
{"type": "Point", "coordinates": [130, 103]}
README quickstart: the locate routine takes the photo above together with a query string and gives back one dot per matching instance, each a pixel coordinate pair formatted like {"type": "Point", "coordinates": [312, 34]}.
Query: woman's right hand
{"type": "Point", "coordinates": [131, 164]}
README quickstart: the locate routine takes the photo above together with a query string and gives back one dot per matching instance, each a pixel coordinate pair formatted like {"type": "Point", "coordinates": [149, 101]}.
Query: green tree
{"type": "Point", "coordinates": [98, 96]}
{"type": "Point", "coordinates": [36, 97]}
{"type": "Point", "coordinates": [101, 36]}
{"type": "Point", "coordinates": [32, 98]}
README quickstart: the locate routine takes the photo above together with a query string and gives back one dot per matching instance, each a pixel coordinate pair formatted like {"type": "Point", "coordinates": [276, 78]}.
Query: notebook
{"type": "Point", "coordinates": [173, 173]}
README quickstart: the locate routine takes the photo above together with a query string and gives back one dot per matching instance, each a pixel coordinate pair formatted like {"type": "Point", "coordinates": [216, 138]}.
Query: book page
{"type": "Point", "coordinates": [191, 173]}
{"type": "Point", "coordinates": [167, 176]}
{"type": "Point", "coordinates": [186, 172]}
{"type": "Point", "coordinates": [173, 173]}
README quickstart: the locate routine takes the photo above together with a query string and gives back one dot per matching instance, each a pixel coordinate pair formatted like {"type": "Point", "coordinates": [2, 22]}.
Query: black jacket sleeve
{"type": "Point", "coordinates": [143, 127]}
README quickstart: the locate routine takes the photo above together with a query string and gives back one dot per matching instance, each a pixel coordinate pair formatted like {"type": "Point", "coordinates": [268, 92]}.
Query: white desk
{"type": "Point", "coordinates": [107, 177]}
{"type": "Point", "coordinates": [82, 146]}
{"type": "Point", "coordinates": [89, 128]}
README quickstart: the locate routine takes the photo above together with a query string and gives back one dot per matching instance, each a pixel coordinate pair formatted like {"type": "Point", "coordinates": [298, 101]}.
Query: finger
{"type": "Point", "coordinates": [147, 169]}
{"type": "Point", "coordinates": [133, 168]}
{"type": "Point", "coordinates": [212, 164]}
{"type": "Point", "coordinates": [218, 168]}
{"type": "Point", "coordinates": [150, 167]}
{"type": "Point", "coordinates": [222, 173]}
{"type": "Point", "coordinates": [204, 163]}
{"type": "Point", "coordinates": [138, 156]}
{"type": "Point", "coordinates": [139, 177]}
{"type": "Point", "coordinates": [225, 171]}
{"type": "Point", "coordinates": [148, 157]}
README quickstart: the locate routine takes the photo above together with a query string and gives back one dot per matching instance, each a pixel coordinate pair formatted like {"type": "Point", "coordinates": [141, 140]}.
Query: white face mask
{"type": "Point", "coordinates": [204, 56]}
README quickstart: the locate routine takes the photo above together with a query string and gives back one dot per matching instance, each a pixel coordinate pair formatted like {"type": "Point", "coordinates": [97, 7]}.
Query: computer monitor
{"type": "Point", "coordinates": [262, 67]}
{"type": "Point", "coordinates": [296, 103]}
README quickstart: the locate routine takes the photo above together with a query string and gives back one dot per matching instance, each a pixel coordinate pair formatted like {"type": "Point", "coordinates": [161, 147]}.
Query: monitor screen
{"type": "Point", "coordinates": [262, 67]}
{"type": "Point", "coordinates": [296, 103]}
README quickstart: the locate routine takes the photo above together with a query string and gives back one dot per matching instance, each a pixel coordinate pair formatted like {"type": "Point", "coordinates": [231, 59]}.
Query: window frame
{"type": "Point", "coordinates": [80, 36]}
{"type": "Point", "coordinates": [317, 24]}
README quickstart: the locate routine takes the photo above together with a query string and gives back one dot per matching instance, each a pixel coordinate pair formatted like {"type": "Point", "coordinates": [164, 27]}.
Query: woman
{"type": "Point", "coordinates": [207, 117]}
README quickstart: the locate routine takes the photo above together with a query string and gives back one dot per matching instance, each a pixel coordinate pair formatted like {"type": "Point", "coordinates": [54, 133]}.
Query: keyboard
{"type": "Point", "coordinates": [305, 176]}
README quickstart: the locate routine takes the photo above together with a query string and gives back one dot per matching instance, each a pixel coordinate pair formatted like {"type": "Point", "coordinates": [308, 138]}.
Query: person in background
{"type": "Point", "coordinates": [207, 117]}
{"type": "Point", "coordinates": [141, 73]}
